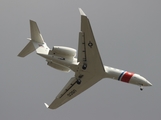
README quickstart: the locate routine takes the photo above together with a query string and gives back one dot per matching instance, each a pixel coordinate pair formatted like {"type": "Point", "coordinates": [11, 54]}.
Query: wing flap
{"type": "Point", "coordinates": [81, 48]}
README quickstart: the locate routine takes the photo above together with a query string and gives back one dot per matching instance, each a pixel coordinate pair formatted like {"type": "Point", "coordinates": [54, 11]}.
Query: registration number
{"type": "Point", "coordinates": [71, 93]}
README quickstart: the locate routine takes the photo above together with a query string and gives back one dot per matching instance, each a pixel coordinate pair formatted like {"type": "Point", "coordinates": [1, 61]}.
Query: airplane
{"type": "Point", "coordinates": [88, 66]}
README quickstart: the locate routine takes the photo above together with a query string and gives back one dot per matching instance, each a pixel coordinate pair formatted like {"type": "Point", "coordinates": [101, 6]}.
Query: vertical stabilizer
{"type": "Point", "coordinates": [35, 33]}
{"type": "Point", "coordinates": [36, 42]}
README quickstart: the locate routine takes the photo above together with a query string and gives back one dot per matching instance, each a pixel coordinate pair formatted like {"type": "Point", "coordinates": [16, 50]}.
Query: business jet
{"type": "Point", "coordinates": [88, 66]}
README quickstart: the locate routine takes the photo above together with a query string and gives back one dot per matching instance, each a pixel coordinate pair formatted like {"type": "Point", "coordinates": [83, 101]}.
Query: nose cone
{"type": "Point", "coordinates": [147, 83]}
{"type": "Point", "coordinates": [144, 81]}
{"type": "Point", "coordinates": [139, 80]}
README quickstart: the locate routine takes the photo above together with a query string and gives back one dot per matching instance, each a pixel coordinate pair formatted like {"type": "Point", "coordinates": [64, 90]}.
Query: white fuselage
{"type": "Point", "coordinates": [113, 73]}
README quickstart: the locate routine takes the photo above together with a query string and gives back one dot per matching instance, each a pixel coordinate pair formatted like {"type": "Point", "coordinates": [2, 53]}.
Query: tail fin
{"type": "Point", "coordinates": [36, 42]}
{"type": "Point", "coordinates": [35, 33]}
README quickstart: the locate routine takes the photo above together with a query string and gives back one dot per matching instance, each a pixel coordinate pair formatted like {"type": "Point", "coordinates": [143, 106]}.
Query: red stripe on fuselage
{"type": "Point", "coordinates": [126, 77]}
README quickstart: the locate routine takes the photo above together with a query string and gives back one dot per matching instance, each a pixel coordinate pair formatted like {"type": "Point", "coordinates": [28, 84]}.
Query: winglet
{"type": "Point", "coordinates": [47, 106]}
{"type": "Point", "coordinates": [81, 12]}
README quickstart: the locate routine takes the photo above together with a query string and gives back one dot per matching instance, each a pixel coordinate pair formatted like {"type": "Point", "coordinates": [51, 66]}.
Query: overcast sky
{"type": "Point", "coordinates": [128, 35]}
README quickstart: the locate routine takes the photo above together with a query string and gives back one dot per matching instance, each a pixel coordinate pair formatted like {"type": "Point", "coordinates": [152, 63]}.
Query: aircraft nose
{"type": "Point", "coordinates": [145, 81]}
{"type": "Point", "coordinates": [139, 80]}
{"type": "Point", "coordinates": [148, 83]}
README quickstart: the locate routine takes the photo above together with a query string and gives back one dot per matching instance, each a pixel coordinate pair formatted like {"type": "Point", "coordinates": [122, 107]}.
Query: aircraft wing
{"type": "Point", "coordinates": [87, 48]}
{"type": "Point", "coordinates": [72, 89]}
{"type": "Point", "coordinates": [88, 54]}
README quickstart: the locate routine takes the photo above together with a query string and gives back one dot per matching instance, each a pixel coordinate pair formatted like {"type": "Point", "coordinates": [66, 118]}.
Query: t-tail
{"type": "Point", "coordinates": [36, 42]}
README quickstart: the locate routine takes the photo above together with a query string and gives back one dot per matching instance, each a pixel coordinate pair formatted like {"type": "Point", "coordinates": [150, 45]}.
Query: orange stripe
{"type": "Point", "coordinates": [127, 76]}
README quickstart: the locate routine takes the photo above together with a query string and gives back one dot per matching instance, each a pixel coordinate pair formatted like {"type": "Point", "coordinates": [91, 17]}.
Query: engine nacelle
{"type": "Point", "coordinates": [63, 51]}
{"type": "Point", "coordinates": [58, 67]}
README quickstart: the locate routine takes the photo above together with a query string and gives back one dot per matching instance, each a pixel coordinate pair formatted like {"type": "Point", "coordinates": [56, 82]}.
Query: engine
{"type": "Point", "coordinates": [58, 67]}
{"type": "Point", "coordinates": [62, 51]}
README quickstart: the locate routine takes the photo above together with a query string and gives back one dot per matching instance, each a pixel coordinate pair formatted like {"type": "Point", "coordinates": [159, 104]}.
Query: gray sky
{"type": "Point", "coordinates": [128, 34]}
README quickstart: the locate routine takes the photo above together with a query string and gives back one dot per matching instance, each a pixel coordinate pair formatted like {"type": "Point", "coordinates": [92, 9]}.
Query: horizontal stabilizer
{"type": "Point", "coordinates": [27, 50]}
